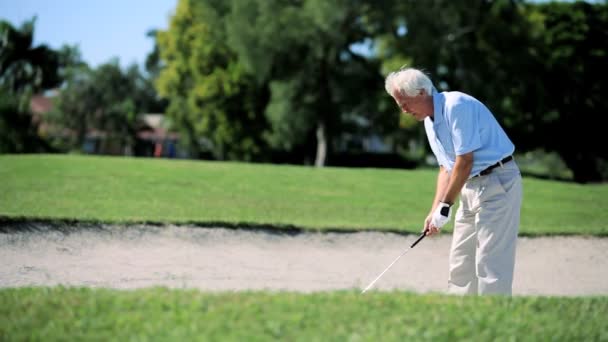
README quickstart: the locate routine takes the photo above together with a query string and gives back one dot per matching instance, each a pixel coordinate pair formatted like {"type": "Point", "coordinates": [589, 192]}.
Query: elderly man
{"type": "Point", "coordinates": [475, 159]}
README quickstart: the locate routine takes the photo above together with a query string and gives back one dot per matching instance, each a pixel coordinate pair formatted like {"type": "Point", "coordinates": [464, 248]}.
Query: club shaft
{"type": "Point", "coordinates": [392, 263]}
{"type": "Point", "coordinates": [389, 266]}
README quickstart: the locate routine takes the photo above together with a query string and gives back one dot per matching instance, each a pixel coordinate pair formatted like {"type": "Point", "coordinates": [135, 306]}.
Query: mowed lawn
{"type": "Point", "coordinates": [126, 190]}
{"type": "Point", "coordinates": [52, 314]}
{"type": "Point", "coordinates": [113, 189]}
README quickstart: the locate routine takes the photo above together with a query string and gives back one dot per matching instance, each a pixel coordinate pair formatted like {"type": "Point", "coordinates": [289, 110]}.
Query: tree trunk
{"type": "Point", "coordinates": [326, 110]}
{"type": "Point", "coordinates": [321, 145]}
{"type": "Point", "coordinates": [81, 134]}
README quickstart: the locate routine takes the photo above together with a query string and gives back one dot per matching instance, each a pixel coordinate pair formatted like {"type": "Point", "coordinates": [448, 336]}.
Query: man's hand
{"type": "Point", "coordinates": [440, 216]}
{"type": "Point", "coordinates": [427, 226]}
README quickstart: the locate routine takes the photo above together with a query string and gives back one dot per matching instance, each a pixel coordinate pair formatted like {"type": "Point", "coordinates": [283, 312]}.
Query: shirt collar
{"type": "Point", "coordinates": [438, 102]}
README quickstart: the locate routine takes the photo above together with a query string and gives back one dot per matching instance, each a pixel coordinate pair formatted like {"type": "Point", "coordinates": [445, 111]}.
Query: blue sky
{"type": "Point", "coordinates": [103, 29]}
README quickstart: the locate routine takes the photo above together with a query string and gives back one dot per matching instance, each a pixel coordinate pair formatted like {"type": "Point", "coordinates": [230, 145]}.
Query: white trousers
{"type": "Point", "coordinates": [482, 255]}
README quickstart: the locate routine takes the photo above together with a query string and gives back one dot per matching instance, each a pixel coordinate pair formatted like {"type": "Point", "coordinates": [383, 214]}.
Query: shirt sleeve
{"type": "Point", "coordinates": [464, 125]}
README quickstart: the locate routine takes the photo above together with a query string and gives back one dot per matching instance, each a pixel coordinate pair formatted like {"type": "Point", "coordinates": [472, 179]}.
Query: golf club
{"type": "Point", "coordinates": [389, 266]}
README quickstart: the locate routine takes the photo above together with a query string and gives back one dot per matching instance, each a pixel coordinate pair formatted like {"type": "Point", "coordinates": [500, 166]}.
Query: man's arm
{"type": "Point", "coordinates": [449, 186]}
{"type": "Point", "coordinates": [443, 179]}
{"type": "Point", "coordinates": [460, 175]}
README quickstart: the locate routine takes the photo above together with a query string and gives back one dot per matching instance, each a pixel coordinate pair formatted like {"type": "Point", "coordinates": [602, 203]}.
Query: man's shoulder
{"type": "Point", "coordinates": [457, 102]}
{"type": "Point", "coordinates": [456, 97]}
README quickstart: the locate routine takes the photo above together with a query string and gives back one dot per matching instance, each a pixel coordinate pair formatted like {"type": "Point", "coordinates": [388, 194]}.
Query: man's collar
{"type": "Point", "coordinates": [438, 102]}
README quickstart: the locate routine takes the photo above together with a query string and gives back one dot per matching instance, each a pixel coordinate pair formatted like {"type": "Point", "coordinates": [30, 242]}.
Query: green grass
{"type": "Point", "coordinates": [146, 190]}
{"type": "Point", "coordinates": [52, 314]}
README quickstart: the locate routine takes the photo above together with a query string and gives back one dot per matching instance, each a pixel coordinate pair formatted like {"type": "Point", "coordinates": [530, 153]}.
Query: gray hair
{"type": "Point", "coordinates": [408, 81]}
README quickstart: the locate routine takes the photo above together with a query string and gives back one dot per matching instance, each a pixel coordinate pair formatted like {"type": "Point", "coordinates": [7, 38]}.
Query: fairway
{"type": "Point", "coordinates": [108, 189]}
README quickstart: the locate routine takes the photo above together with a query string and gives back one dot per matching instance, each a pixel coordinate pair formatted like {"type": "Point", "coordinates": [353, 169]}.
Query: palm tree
{"type": "Point", "coordinates": [25, 69]}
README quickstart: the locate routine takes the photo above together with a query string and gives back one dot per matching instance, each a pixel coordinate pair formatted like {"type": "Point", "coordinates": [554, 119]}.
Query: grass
{"type": "Point", "coordinates": [107, 189]}
{"type": "Point", "coordinates": [124, 190]}
{"type": "Point", "coordinates": [52, 314]}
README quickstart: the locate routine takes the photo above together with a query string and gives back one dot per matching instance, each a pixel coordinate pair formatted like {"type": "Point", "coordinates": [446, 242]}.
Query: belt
{"type": "Point", "coordinates": [489, 169]}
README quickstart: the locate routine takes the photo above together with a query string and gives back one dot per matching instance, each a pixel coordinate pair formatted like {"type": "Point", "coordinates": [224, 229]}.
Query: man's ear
{"type": "Point", "coordinates": [422, 92]}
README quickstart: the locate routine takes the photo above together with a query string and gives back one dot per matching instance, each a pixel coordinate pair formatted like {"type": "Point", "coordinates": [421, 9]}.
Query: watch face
{"type": "Point", "coordinates": [445, 211]}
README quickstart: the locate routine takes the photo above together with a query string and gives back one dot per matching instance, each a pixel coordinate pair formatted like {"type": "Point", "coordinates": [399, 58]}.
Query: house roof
{"type": "Point", "coordinates": [40, 104]}
{"type": "Point", "coordinates": [153, 120]}
{"type": "Point", "coordinates": [155, 127]}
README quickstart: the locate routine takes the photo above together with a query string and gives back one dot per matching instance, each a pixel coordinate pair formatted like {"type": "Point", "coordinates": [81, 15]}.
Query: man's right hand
{"type": "Point", "coordinates": [430, 230]}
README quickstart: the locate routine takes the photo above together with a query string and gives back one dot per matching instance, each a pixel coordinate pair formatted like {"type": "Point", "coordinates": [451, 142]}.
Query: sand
{"type": "Point", "coordinates": [218, 259]}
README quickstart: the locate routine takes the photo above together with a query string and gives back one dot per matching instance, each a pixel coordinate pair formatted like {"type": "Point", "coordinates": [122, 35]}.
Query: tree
{"type": "Point", "coordinates": [17, 134]}
{"type": "Point", "coordinates": [153, 65]}
{"type": "Point", "coordinates": [107, 99]}
{"type": "Point", "coordinates": [25, 70]}
{"type": "Point", "coordinates": [528, 62]}
{"type": "Point", "coordinates": [303, 49]}
{"type": "Point", "coordinates": [212, 99]}
{"type": "Point", "coordinates": [571, 41]}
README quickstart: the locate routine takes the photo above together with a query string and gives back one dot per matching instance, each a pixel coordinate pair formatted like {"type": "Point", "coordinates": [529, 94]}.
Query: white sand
{"type": "Point", "coordinates": [222, 259]}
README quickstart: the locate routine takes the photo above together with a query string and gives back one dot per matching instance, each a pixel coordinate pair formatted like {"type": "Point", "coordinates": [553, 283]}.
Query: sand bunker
{"type": "Point", "coordinates": [217, 259]}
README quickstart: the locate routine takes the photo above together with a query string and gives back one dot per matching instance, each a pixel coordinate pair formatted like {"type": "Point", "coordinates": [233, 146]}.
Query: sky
{"type": "Point", "coordinates": [103, 29]}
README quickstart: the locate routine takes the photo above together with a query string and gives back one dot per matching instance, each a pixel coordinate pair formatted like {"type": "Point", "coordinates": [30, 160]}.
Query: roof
{"type": "Point", "coordinates": [40, 104]}
{"type": "Point", "coordinates": [153, 120]}
{"type": "Point", "coordinates": [155, 127]}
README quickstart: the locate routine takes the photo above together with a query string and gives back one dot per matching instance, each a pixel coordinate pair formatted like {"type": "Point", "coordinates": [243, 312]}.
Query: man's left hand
{"type": "Point", "coordinates": [441, 215]}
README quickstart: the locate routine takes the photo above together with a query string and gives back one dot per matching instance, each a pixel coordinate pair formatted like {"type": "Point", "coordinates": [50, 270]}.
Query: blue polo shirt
{"type": "Point", "coordinates": [462, 124]}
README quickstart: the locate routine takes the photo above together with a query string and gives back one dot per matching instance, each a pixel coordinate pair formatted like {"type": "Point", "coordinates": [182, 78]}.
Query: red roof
{"type": "Point", "coordinates": [40, 104]}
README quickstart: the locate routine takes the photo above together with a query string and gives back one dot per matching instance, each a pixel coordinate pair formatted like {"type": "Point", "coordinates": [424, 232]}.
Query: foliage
{"type": "Point", "coordinates": [245, 79]}
{"type": "Point", "coordinates": [304, 49]}
{"type": "Point", "coordinates": [140, 190]}
{"type": "Point", "coordinates": [106, 99]}
{"type": "Point", "coordinates": [17, 134]}
{"type": "Point", "coordinates": [539, 163]}
{"type": "Point", "coordinates": [317, 69]}
{"type": "Point", "coordinates": [26, 70]}
{"type": "Point", "coordinates": [507, 54]}
{"type": "Point", "coordinates": [571, 40]}
{"type": "Point", "coordinates": [210, 95]}
{"type": "Point", "coordinates": [177, 315]}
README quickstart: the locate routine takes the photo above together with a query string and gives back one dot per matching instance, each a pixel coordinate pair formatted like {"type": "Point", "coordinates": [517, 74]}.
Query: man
{"type": "Point", "coordinates": [475, 159]}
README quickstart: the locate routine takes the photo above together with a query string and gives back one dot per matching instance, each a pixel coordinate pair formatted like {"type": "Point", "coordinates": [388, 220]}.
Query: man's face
{"type": "Point", "coordinates": [420, 106]}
